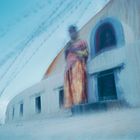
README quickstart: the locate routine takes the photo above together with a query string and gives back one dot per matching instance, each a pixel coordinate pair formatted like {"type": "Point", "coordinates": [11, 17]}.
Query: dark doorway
{"type": "Point", "coordinates": [61, 98]}
{"type": "Point", "coordinates": [38, 104]}
{"type": "Point", "coordinates": [106, 86]}
{"type": "Point", "coordinates": [105, 37]}
{"type": "Point", "coordinates": [13, 112]}
{"type": "Point", "coordinates": [21, 109]}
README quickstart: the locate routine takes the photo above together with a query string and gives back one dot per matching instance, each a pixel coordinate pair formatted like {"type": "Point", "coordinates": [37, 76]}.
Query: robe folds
{"type": "Point", "coordinates": [75, 79]}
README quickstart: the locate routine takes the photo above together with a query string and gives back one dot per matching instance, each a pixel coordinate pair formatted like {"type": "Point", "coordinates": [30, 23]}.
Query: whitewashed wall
{"type": "Point", "coordinates": [131, 76]}
{"type": "Point", "coordinates": [48, 89]}
{"type": "Point", "coordinates": [128, 79]}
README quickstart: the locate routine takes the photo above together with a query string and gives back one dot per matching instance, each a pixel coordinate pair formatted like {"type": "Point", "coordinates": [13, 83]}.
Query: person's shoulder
{"type": "Point", "coordinates": [67, 45]}
{"type": "Point", "coordinates": [83, 42]}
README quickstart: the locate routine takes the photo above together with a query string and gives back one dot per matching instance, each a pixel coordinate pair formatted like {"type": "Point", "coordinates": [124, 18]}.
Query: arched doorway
{"type": "Point", "coordinates": [105, 37]}
{"type": "Point", "coordinates": [106, 34]}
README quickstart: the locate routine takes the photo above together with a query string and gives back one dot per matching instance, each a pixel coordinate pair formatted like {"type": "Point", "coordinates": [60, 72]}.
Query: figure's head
{"type": "Point", "coordinates": [73, 32]}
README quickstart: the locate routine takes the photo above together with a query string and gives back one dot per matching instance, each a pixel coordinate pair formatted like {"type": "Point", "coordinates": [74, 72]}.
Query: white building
{"type": "Point", "coordinates": [113, 37]}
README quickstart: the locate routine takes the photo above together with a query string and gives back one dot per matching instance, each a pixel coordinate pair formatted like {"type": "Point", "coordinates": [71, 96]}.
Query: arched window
{"type": "Point", "coordinates": [105, 37]}
{"type": "Point", "coordinates": [107, 33]}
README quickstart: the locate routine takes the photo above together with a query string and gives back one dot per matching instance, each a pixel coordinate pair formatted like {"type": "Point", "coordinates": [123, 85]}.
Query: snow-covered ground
{"type": "Point", "coordinates": [121, 124]}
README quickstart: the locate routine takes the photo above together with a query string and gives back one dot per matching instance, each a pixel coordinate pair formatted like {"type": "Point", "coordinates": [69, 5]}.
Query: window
{"type": "Point", "coordinates": [106, 34]}
{"type": "Point", "coordinates": [38, 104]}
{"type": "Point", "coordinates": [13, 112]}
{"type": "Point", "coordinates": [21, 109]}
{"type": "Point", "coordinates": [106, 85]}
{"type": "Point", "coordinates": [61, 98]}
{"type": "Point", "coordinates": [105, 37]}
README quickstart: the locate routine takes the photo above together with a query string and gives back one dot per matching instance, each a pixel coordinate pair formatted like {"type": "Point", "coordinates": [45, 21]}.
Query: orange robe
{"type": "Point", "coordinates": [75, 81]}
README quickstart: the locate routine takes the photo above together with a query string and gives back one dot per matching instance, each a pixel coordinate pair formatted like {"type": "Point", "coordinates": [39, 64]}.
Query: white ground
{"type": "Point", "coordinates": [114, 124]}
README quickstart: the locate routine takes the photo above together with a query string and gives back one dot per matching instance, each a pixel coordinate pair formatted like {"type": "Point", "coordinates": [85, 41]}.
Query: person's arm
{"type": "Point", "coordinates": [70, 49]}
{"type": "Point", "coordinates": [67, 49]}
{"type": "Point", "coordinates": [83, 52]}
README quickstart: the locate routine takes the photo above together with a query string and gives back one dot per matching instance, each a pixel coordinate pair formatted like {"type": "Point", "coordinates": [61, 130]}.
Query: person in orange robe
{"type": "Point", "coordinates": [75, 80]}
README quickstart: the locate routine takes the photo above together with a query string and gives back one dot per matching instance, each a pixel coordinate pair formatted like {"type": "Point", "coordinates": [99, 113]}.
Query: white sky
{"type": "Point", "coordinates": [32, 32]}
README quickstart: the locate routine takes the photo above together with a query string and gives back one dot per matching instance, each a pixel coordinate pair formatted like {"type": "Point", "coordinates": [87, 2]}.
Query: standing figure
{"type": "Point", "coordinates": [75, 81]}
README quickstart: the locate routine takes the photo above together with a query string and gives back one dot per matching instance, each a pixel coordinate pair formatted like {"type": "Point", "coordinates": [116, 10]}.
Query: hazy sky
{"type": "Point", "coordinates": [32, 32]}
